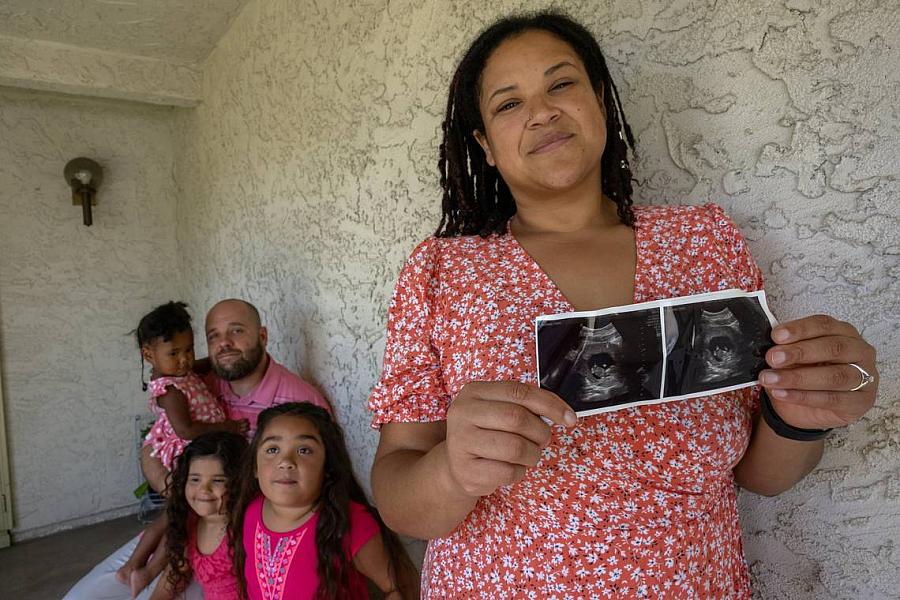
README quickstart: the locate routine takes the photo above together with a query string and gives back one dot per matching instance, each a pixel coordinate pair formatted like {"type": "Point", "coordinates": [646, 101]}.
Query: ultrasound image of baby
{"type": "Point", "coordinates": [653, 352]}
{"type": "Point", "coordinates": [597, 358]}
{"type": "Point", "coordinates": [719, 343]}
{"type": "Point", "coordinates": [594, 362]}
{"type": "Point", "coordinates": [718, 334]}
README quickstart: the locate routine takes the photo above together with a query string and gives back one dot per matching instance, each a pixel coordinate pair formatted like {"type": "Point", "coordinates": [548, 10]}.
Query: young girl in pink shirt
{"type": "Point", "coordinates": [304, 528]}
{"type": "Point", "coordinates": [201, 496]}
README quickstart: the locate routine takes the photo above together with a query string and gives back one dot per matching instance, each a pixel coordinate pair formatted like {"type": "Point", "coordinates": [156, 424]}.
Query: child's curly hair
{"type": "Point", "coordinates": [229, 448]}
{"type": "Point", "coordinates": [164, 322]}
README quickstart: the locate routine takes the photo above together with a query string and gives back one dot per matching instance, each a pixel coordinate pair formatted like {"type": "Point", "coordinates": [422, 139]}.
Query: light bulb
{"type": "Point", "coordinates": [84, 176]}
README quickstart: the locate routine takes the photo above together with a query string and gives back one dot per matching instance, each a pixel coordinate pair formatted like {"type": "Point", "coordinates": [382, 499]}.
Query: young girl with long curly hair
{"type": "Point", "coordinates": [304, 528]}
{"type": "Point", "coordinates": [202, 496]}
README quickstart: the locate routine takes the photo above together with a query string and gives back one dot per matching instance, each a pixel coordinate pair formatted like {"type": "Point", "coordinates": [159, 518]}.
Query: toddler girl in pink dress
{"type": "Point", "coordinates": [185, 409]}
{"type": "Point", "coordinates": [184, 406]}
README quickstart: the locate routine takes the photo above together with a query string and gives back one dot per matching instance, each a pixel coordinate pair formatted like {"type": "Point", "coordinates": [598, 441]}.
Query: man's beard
{"type": "Point", "coordinates": [241, 367]}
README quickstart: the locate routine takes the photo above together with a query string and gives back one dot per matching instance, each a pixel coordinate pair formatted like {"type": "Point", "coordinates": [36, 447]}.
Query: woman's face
{"type": "Point", "coordinates": [544, 126]}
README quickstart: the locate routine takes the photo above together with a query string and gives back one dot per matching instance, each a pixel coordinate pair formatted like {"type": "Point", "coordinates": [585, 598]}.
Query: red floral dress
{"type": "Point", "coordinates": [638, 503]}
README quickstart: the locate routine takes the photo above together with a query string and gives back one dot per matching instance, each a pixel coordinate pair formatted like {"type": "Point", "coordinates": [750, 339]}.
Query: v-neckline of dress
{"type": "Point", "coordinates": [537, 268]}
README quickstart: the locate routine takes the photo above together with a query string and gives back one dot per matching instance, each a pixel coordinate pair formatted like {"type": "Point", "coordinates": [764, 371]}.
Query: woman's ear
{"type": "Point", "coordinates": [486, 146]}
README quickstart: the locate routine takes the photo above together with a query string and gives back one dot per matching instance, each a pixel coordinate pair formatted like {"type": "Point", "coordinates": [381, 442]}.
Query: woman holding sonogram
{"type": "Point", "coordinates": [518, 497]}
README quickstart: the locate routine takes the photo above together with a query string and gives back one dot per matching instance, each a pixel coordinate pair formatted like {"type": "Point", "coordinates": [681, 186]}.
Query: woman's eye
{"type": "Point", "coordinates": [507, 106]}
{"type": "Point", "coordinates": [560, 85]}
{"type": "Point", "coordinates": [271, 450]}
{"type": "Point", "coordinates": [304, 450]}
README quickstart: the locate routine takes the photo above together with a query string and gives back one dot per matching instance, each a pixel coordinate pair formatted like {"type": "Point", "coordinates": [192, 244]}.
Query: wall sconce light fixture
{"type": "Point", "coordinates": [84, 177]}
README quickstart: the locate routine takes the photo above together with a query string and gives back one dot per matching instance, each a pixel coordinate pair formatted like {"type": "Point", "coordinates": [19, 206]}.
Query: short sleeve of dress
{"type": "Point", "coordinates": [746, 272]}
{"type": "Point", "coordinates": [734, 250]}
{"type": "Point", "coordinates": [363, 527]}
{"type": "Point", "coordinates": [158, 387]}
{"type": "Point", "coordinates": [411, 388]}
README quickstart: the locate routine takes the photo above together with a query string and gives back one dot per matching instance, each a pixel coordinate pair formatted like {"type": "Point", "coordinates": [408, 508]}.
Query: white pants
{"type": "Point", "coordinates": [101, 583]}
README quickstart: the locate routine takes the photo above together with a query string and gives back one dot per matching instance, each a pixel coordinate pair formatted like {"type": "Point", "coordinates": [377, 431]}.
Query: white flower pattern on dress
{"type": "Point", "coordinates": [637, 503]}
{"type": "Point", "coordinates": [203, 407]}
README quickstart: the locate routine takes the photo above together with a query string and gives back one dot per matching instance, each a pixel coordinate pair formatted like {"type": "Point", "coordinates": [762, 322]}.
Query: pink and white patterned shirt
{"type": "Point", "coordinates": [278, 386]}
{"type": "Point", "coordinates": [638, 503]}
{"type": "Point", "coordinates": [203, 407]}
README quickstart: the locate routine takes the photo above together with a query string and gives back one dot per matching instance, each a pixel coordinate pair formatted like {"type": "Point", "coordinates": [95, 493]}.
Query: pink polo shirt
{"type": "Point", "coordinates": [278, 386]}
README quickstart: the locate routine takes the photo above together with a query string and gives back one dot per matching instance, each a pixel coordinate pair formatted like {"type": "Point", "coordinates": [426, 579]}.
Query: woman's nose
{"type": "Point", "coordinates": [542, 112]}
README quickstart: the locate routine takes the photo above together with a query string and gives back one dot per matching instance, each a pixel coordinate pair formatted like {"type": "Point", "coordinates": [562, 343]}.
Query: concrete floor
{"type": "Point", "coordinates": [45, 568]}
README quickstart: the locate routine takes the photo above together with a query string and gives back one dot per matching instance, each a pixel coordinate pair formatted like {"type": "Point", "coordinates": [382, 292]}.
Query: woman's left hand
{"type": "Point", "coordinates": [811, 381]}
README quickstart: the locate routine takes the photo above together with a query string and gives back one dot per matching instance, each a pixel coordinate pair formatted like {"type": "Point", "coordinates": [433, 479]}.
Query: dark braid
{"type": "Point", "coordinates": [476, 200]}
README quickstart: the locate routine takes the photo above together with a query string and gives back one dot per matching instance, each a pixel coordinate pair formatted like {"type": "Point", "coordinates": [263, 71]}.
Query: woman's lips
{"type": "Point", "coordinates": [551, 141]}
{"type": "Point", "coordinates": [285, 481]}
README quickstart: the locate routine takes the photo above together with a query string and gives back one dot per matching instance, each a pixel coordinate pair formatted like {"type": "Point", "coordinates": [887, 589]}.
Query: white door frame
{"type": "Point", "coordinates": [6, 518]}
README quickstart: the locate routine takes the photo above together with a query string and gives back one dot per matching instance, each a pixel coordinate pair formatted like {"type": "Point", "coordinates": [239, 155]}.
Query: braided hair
{"type": "Point", "coordinates": [476, 200]}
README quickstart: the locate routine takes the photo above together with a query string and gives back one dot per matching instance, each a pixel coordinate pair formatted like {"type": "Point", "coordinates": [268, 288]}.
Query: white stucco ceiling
{"type": "Point", "coordinates": [180, 30]}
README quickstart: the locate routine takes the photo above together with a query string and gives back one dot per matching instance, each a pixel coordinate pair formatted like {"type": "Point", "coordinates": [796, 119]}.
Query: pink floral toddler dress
{"type": "Point", "coordinates": [203, 405]}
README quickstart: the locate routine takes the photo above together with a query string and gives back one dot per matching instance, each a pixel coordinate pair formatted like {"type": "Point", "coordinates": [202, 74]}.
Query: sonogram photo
{"type": "Point", "coordinates": [598, 362]}
{"type": "Point", "coordinates": [655, 351]}
{"type": "Point", "coordinates": [714, 344]}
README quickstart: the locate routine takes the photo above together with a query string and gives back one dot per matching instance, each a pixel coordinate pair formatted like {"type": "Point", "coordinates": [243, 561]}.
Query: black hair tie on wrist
{"type": "Point", "coordinates": [783, 429]}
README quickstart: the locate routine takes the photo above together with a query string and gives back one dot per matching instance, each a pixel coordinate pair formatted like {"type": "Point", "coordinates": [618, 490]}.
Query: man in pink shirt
{"type": "Point", "coordinates": [244, 377]}
{"type": "Point", "coordinates": [247, 380]}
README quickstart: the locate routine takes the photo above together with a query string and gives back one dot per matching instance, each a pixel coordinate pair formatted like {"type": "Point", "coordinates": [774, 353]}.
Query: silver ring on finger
{"type": "Point", "coordinates": [865, 376]}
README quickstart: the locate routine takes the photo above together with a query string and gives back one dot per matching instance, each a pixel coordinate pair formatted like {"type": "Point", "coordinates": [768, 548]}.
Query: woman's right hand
{"type": "Point", "coordinates": [495, 431]}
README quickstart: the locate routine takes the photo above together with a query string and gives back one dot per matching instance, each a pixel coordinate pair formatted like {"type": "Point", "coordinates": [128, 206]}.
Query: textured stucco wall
{"type": "Point", "coordinates": [309, 172]}
{"type": "Point", "coordinates": [69, 294]}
